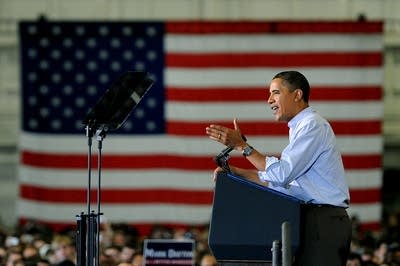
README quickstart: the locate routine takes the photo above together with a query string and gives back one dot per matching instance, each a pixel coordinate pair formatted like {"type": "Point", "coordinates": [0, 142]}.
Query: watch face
{"type": "Point", "coordinates": [247, 151]}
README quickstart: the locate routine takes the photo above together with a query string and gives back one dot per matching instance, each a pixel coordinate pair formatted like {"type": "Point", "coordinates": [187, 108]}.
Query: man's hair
{"type": "Point", "coordinates": [295, 80]}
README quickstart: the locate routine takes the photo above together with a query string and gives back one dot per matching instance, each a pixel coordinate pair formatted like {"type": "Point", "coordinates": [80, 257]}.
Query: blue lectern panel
{"type": "Point", "coordinates": [247, 218]}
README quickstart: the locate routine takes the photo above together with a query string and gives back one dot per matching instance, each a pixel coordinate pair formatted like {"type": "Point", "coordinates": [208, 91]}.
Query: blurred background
{"type": "Point", "coordinates": [12, 12]}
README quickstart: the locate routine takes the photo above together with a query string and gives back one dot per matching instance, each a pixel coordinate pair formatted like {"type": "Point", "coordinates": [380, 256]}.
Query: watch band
{"type": "Point", "coordinates": [247, 150]}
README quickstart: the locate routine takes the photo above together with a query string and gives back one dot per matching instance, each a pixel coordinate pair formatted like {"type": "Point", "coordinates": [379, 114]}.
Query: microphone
{"type": "Point", "coordinates": [222, 158]}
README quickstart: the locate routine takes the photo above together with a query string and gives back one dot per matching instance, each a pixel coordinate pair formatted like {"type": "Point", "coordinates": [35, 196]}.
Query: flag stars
{"type": "Point", "coordinates": [115, 66]}
{"type": "Point", "coordinates": [80, 30]}
{"type": "Point", "coordinates": [139, 65]}
{"type": "Point", "coordinates": [55, 102]}
{"type": "Point", "coordinates": [127, 126]}
{"type": "Point", "coordinates": [80, 102]}
{"type": "Point", "coordinates": [151, 31]}
{"type": "Point", "coordinates": [151, 103]}
{"type": "Point", "coordinates": [67, 113]}
{"type": "Point", "coordinates": [92, 90]}
{"type": "Point", "coordinates": [67, 90]}
{"type": "Point", "coordinates": [153, 77]}
{"type": "Point", "coordinates": [56, 124]}
{"type": "Point", "coordinates": [32, 77]}
{"type": "Point", "coordinates": [140, 43]}
{"type": "Point", "coordinates": [139, 113]}
{"type": "Point", "coordinates": [103, 78]}
{"type": "Point", "coordinates": [33, 124]}
{"type": "Point", "coordinates": [56, 30]}
{"type": "Point", "coordinates": [91, 43]}
{"type": "Point", "coordinates": [32, 30]}
{"type": "Point", "coordinates": [32, 100]}
{"type": "Point", "coordinates": [43, 65]}
{"type": "Point", "coordinates": [115, 43]}
{"type": "Point", "coordinates": [103, 55]}
{"type": "Point", "coordinates": [78, 125]}
{"type": "Point", "coordinates": [127, 31]}
{"type": "Point", "coordinates": [68, 66]}
{"type": "Point", "coordinates": [43, 90]}
{"type": "Point", "coordinates": [91, 65]}
{"type": "Point", "coordinates": [127, 55]}
{"type": "Point", "coordinates": [103, 31]}
{"type": "Point", "coordinates": [44, 112]}
{"type": "Point", "coordinates": [79, 54]}
{"type": "Point", "coordinates": [55, 54]}
{"type": "Point", "coordinates": [79, 78]}
{"type": "Point", "coordinates": [32, 53]}
{"type": "Point", "coordinates": [151, 126]}
{"type": "Point", "coordinates": [44, 42]}
{"type": "Point", "coordinates": [151, 55]}
{"type": "Point", "coordinates": [56, 78]}
{"type": "Point", "coordinates": [67, 43]}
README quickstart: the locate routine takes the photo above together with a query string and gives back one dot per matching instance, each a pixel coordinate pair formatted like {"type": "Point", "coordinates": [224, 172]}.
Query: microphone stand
{"type": "Point", "coordinates": [222, 158]}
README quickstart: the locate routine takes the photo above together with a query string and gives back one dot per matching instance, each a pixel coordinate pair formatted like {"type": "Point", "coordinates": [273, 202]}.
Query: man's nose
{"type": "Point", "coordinates": [270, 99]}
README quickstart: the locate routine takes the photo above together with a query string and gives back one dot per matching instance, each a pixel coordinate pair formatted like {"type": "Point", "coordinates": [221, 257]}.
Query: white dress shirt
{"type": "Point", "coordinates": [310, 167]}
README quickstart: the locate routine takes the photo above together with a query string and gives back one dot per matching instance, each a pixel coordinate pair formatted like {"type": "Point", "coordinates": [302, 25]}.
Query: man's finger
{"type": "Point", "coordinates": [236, 124]}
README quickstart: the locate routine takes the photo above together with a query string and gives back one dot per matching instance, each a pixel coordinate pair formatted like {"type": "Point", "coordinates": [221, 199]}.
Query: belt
{"type": "Point", "coordinates": [323, 206]}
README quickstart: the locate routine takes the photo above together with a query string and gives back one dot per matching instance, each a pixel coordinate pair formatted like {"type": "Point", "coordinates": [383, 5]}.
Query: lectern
{"type": "Point", "coordinates": [247, 218]}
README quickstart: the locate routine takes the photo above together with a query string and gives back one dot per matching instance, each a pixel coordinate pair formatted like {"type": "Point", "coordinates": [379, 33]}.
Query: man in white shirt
{"type": "Point", "coordinates": [310, 168]}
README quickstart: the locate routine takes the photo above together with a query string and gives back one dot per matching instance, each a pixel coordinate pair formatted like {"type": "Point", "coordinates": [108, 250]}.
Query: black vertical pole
{"type": "Point", "coordinates": [81, 239]}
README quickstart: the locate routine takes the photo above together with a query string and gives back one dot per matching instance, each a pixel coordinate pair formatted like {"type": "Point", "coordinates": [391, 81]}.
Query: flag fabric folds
{"type": "Point", "coordinates": [157, 168]}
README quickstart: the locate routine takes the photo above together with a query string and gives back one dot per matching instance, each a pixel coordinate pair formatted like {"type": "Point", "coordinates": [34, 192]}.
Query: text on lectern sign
{"type": "Point", "coordinates": [168, 252]}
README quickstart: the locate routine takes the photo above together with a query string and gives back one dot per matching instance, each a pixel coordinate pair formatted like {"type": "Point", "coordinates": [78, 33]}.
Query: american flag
{"type": "Point", "coordinates": [157, 168]}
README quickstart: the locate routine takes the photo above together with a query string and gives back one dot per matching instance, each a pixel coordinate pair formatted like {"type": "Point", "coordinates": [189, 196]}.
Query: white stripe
{"type": "Point", "coordinates": [239, 43]}
{"type": "Point", "coordinates": [153, 213]}
{"type": "Point", "coordinates": [181, 111]}
{"type": "Point", "coordinates": [364, 179]}
{"type": "Point", "coordinates": [139, 213]}
{"type": "Point", "coordinates": [360, 144]}
{"type": "Point", "coordinates": [176, 145]}
{"type": "Point", "coordinates": [135, 179]}
{"type": "Point", "coordinates": [256, 76]}
{"type": "Point", "coordinates": [370, 212]}
{"type": "Point", "coordinates": [157, 178]}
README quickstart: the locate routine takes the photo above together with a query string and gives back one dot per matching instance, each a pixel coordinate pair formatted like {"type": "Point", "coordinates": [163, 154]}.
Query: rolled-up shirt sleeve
{"type": "Point", "coordinates": [296, 158]}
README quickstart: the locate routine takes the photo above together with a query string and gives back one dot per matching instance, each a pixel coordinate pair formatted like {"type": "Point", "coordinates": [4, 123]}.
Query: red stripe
{"type": "Point", "coordinates": [365, 195]}
{"type": "Point", "coordinates": [144, 229]}
{"type": "Point", "coordinates": [201, 163]}
{"type": "Point", "coordinates": [257, 94]}
{"type": "Point", "coordinates": [123, 196]}
{"type": "Point", "coordinates": [262, 128]}
{"type": "Point", "coordinates": [238, 60]}
{"type": "Point", "coordinates": [362, 161]}
{"type": "Point", "coordinates": [370, 226]}
{"type": "Point", "coordinates": [152, 196]}
{"type": "Point", "coordinates": [250, 27]}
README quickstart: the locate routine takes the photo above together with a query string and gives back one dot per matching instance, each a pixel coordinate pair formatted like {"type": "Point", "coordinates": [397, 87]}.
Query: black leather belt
{"type": "Point", "coordinates": [323, 206]}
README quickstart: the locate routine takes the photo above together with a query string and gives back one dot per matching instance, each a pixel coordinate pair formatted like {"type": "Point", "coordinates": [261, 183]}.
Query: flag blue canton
{"type": "Point", "coordinates": [68, 66]}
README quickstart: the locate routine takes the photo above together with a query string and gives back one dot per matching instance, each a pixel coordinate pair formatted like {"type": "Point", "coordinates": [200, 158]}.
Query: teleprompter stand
{"type": "Point", "coordinates": [108, 114]}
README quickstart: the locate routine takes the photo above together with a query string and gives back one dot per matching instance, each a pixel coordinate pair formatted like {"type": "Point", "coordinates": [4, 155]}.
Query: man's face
{"type": "Point", "coordinates": [282, 101]}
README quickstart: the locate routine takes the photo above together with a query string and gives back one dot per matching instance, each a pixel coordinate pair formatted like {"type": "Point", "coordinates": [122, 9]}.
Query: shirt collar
{"type": "Point", "coordinates": [297, 118]}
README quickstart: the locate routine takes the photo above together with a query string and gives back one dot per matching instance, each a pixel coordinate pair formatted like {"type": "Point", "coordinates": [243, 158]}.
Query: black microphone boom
{"type": "Point", "coordinates": [222, 158]}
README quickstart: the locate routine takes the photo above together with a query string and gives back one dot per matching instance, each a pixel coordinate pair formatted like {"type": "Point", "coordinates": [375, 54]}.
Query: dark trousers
{"type": "Point", "coordinates": [326, 237]}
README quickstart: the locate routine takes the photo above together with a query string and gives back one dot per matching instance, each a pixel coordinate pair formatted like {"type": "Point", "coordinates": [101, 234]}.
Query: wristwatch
{"type": "Point", "coordinates": [247, 150]}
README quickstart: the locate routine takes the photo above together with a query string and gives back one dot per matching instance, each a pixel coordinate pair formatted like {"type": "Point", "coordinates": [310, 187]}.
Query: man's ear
{"type": "Point", "coordinates": [299, 95]}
